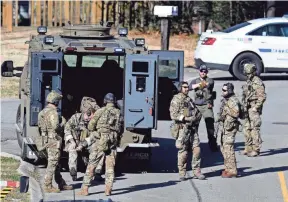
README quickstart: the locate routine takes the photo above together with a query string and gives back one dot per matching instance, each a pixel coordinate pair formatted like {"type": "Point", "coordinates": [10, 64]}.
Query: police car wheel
{"type": "Point", "coordinates": [241, 60]}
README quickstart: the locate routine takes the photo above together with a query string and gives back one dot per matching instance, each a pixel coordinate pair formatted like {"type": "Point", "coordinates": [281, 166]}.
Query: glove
{"type": "Point", "coordinates": [82, 145]}
{"type": "Point", "coordinates": [203, 84]}
{"type": "Point", "coordinates": [79, 148]}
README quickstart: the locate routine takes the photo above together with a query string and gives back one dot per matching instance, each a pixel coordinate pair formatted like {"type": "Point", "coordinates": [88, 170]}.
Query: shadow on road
{"type": "Point", "coordinates": [94, 182]}
{"type": "Point", "coordinates": [264, 78]}
{"type": "Point", "coordinates": [271, 152]}
{"type": "Point", "coordinates": [141, 187]}
{"type": "Point", "coordinates": [164, 158]}
{"type": "Point", "coordinates": [242, 173]}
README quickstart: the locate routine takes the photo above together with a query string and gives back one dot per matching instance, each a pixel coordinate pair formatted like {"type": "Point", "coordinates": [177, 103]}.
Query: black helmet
{"type": "Point", "coordinates": [230, 88]}
{"type": "Point", "coordinates": [181, 84]}
{"type": "Point", "coordinates": [109, 98]}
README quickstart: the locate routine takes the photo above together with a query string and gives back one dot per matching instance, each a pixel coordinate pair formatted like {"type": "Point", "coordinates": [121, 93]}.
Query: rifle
{"type": "Point", "coordinates": [220, 114]}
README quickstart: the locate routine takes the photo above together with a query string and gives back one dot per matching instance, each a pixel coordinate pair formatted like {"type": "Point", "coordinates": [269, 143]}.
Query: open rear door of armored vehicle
{"type": "Point", "coordinates": [46, 75]}
{"type": "Point", "coordinates": [171, 72]}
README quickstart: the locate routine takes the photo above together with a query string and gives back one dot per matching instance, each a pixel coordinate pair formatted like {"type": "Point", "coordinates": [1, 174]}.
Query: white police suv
{"type": "Point", "coordinates": [263, 42]}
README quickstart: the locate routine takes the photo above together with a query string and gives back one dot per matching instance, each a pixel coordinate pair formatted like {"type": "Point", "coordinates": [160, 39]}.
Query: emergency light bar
{"type": "Point", "coordinates": [119, 50]}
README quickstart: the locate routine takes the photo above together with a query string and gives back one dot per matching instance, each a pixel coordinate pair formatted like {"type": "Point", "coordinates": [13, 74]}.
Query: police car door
{"type": "Point", "coordinates": [141, 83]}
{"type": "Point", "coordinates": [46, 75]}
{"type": "Point", "coordinates": [171, 72]}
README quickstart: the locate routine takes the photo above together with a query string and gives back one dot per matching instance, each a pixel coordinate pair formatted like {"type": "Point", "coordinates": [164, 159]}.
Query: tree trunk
{"type": "Point", "coordinates": [271, 8]}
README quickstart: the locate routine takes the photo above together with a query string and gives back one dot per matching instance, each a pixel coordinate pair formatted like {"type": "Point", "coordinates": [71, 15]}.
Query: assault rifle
{"type": "Point", "coordinates": [220, 117]}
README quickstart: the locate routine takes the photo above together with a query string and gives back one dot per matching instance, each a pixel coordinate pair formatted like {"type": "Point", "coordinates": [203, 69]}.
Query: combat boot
{"type": "Point", "coordinates": [198, 175]}
{"type": "Point", "coordinates": [63, 186]}
{"type": "Point", "coordinates": [108, 190]}
{"type": "Point", "coordinates": [50, 189]}
{"type": "Point", "coordinates": [83, 191]}
{"type": "Point", "coordinates": [226, 174]}
{"type": "Point", "coordinates": [253, 154]}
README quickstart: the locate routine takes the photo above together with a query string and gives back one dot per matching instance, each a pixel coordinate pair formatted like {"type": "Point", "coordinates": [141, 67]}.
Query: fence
{"type": "Point", "coordinates": [54, 13]}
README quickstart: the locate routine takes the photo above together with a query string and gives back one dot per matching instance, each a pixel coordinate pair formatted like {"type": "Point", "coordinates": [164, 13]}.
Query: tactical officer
{"type": "Point", "coordinates": [51, 125]}
{"type": "Point", "coordinates": [229, 117]}
{"type": "Point", "coordinates": [253, 99]}
{"type": "Point", "coordinates": [76, 130]}
{"type": "Point", "coordinates": [203, 87]}
{"type": "Point", "coordinates": [105, 127]}
{"type": "Point", "coordinates": [186, 117]}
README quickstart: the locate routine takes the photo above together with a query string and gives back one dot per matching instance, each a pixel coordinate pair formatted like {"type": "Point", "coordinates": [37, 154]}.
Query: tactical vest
{"type": "Point", "coordinates": [110, 119]}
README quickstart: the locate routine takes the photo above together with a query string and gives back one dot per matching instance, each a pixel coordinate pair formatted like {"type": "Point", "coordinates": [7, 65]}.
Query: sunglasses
{"type": "Point", "coordinates": [204, 71]}
{"type": "Point", "coordinates": [184, 86]}
{"type": "Point", "coordinates": [224, 90]}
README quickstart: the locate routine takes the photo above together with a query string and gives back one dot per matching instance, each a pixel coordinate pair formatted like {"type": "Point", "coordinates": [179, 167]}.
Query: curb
{"type": "Point", "coordinates": [4, 154]}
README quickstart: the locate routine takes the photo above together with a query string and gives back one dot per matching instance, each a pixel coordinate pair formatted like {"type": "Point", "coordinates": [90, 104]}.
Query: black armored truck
{"type": "Point", "coordinates": [86, 60]}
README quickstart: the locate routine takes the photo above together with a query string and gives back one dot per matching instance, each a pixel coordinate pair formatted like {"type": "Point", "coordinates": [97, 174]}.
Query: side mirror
{"type": "Point", "coordinates": [214, 95]}
{"type": "Point", "coordinates": [7, 68]}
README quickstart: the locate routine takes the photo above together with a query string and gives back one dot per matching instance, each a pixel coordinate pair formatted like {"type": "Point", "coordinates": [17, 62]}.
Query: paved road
{"type": "Point", "coordinates": [262, 178]}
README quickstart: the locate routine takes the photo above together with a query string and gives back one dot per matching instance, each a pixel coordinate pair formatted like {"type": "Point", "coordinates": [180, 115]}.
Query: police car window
{"type": "Point", "coordinates": [70, 60]}
{"type": "Point", "coordinates": [94, 61]}
{"type": "Point", "coordinates": [168, 68]}
{"type": "Point", "coordinates": [235, 27]}
{"type": "Point", "coordinates": [278, 30]}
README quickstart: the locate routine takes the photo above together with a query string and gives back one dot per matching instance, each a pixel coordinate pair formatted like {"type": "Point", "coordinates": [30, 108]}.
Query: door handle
{"type": "Point", "coordinates": [135, 110]}
{"type": "Point", "coordinates": [130, 86]}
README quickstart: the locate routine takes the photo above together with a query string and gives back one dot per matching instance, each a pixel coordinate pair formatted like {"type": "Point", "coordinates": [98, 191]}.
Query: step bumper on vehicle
{"type": "Point", "coordinates": [134, 145]}
{"type": "Point", "coordinates": [199, 62]}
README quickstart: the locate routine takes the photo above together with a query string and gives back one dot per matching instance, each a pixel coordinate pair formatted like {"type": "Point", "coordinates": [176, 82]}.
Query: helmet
{"type": "Point", "coordinates": [179, 88]}
{"type": "Point", "coordinates": [109, 98]}
{"type": "Point", "coordinates": [249, 68]}
{"type": "Point", "coordinates": [53, 97]}
{"type": "Point", "coordinates": [88, 105]}
{"type": "Point", "coordinates": [230, 88]}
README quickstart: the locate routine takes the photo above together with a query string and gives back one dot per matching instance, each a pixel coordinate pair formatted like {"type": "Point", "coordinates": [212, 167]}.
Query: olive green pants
{"type": "Point", "coordinates": [208, 115]}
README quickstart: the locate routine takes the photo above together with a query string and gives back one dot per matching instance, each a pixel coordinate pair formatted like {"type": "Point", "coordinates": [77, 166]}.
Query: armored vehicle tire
{"type": "Point", "coordinates": [18, 122]}
{"type": "Point", "coordinates": [243, 58]}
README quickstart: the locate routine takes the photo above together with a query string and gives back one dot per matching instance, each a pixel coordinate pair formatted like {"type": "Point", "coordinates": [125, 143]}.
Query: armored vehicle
{"type": "Point", "coordinates": [86, 60]}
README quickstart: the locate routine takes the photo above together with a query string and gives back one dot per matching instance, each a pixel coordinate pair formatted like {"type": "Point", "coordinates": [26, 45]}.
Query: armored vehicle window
{"type": "Point", "coordinates": [168, 68]}
{"type": "Point", "coordinates": [95, 61]}
{"type": "Point", "coordinates": [118, 59]}
{"type": "Point", "coordinates": [48, 65]}
{"type": "Point", "coordinates": [140, 67]}
{"type": "Point", "coordinates": [70, 60]}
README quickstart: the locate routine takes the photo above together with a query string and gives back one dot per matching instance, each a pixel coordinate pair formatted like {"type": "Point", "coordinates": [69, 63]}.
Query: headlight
{"type": "Point", "coordinates": [49, 39]}
{"type": "Point", "coordinates": [140, 42]}
{"type": "Point", "coordinates": [123, 31]}
{"type": "Point", "coordinates": [42, 30]}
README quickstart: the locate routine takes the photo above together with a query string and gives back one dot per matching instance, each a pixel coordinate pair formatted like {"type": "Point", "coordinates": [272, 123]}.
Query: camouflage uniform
{"type": "Point", "coordinates": [186, 116]}
{"type": "Point", "coordinates": [254, 97]}
{"type": "Point", "coordinates": [229, 117]}
{"type": "Point", "coordinates": [51, 126]}
{"type": "Point", "coordinates": [105, 128]}
{"type": "Point", "coordinates": [75, 131]}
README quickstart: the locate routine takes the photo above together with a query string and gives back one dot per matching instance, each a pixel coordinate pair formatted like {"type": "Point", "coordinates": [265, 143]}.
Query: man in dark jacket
{"type": "Point", "coordinates": [203, 87]}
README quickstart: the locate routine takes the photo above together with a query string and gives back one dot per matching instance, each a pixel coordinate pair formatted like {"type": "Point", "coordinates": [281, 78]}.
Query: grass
{"type": "Point", "coordinates": [9, 172]}
{"type": "Point", "coordinates": [13, 48]}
